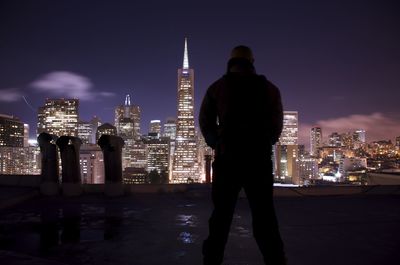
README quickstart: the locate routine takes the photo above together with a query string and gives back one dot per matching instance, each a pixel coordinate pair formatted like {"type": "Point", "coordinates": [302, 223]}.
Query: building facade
{"type": "Point", "coordinates": [86, 132]}
{"type": "Point", "coordinates": [107, 129]}
{"type": "Point", "coordinates": [158, 155]}
{"type": "Point", "coordinates": [315, 140]}
{"type": "Point", "coordinates": [155, 127]}
{"type": "Point", "coordinates": [128, 115]}
{"type": "Point", "coordinates": [185, 163]}
{"type": "Point", "coordinates": [91, 164]}
{"type": "Point", "coordinates": [286, 150]}
{"type": "Point", "coordinates": [19, 160]}
{"type": "Point", "coordinates": [170, 129]}
{"type": "Point", "coordinates": [12, 131]}
{"type": "Point", "coordinates": [59, 117]}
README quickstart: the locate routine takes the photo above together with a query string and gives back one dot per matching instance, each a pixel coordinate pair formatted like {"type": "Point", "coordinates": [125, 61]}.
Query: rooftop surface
{"type": "Point", "coordinates": [169, 229]}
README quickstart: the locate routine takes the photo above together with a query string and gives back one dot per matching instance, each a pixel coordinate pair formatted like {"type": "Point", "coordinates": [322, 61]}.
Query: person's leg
{"type": "Point", "coordinates": [259, 192]}
{"type": "Point", "coordinates": [224, 196]}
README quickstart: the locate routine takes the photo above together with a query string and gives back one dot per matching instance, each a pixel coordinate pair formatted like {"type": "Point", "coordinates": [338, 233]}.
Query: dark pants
{"type": "Point", "coordinates": [255, 177]}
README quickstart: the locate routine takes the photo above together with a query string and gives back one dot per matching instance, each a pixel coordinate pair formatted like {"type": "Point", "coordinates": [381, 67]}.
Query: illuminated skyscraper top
{"type": "Point", "coordinates": [128, 100]}
{"type": "Point", "coordinates": [127, 106]}
{"type": "Point", "coordinates": [127, 114]}
{"type": "Point", "coordinates": [185, 57]}
{"type": "Point", "coordinates": [289, 133]}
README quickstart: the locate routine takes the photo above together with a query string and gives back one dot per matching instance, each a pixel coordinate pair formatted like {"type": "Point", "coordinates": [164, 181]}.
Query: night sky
{"type": "Point", "coordinates": [336, 62]}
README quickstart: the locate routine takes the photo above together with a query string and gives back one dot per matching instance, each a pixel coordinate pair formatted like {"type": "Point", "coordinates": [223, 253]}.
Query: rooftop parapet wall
{"type": "Point", "coordinates": [33, 181]}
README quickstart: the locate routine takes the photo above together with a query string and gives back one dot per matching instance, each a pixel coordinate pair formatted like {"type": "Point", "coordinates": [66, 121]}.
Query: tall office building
{"type": "Point", "coordinates": [308, 169]}
{"type": "Point", "coordinates": [26, 135]}
{"type": "Point", "coordinates": [86, 132]}
{"type": "Point", "coordinates": [286, 150]}
{"type": "Point", "coordinates": [105, 128]}
{"type": "Point", "coordinates": [139, 155]}
{"type": "Point", "coordinates": [185, 164]}
{"type": "Point", "coordinates": [158, 154]}
{"type": "Point", "coordinates": [170, 132]}
{"type": "Point", "coordinates": [19, 160]}
{"type": "Point", "coordinates": [359, 135]}
{"type": "Point", "coordinates": [359, 138]}
{"type": "Point", "coordinates": [16, 157]}
{"type": "Point", "coordinates": [155, 127]}
{"type": "Point", "coordinates": [127, 122]}
{"type": "Point", "coordinates": [315, 140]}
{"type": "Point", "coordinates": [335, 139]}
{"type": "Point", "coordinates": [59, 117]}
{"type": "Point", "coordinates": [127, 116]}
{"type": "Point", "coordinates": [170, 128]}
{"type": "Point", "coordinates": [289, 135]}
{"type": "Point", "coordinates": [91, 164]}
{"type": "Point", "coordinates": [11, 131]}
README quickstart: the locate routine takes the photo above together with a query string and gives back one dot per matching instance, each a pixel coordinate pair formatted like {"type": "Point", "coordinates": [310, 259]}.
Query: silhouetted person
{"type": "Point", "coordinates": [241, 118]}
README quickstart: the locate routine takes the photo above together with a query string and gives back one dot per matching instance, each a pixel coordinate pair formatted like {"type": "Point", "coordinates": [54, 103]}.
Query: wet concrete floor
{"type": "Point", "coordinates": [169, 229]}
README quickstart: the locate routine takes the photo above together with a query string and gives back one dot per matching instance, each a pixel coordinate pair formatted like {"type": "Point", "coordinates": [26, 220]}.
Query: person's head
{"type": "Point", "coordinates": [242, 52]}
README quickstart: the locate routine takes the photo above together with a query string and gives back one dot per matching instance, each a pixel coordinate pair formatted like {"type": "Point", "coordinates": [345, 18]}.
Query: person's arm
{"type": "Point", "coordinates": [208, 119]}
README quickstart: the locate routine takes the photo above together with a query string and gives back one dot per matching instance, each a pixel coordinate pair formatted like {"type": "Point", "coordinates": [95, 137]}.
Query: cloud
{"type": "Point", "coordinates": [10, 95]}
{"type": "Point", "coordinates": [69, 85]}
{"type": "Point", "coordinates": [378, 126]}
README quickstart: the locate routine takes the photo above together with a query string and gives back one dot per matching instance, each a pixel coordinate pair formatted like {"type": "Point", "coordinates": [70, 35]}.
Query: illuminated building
{"type": "Point", "coordinates": [286, 165]}
{"type": "Point", "coordinates": [397, 143]}
{"type": "Point", "coordinates": [59, 117]}
{"type": "Point", "coordinates": [127, 123]}
{"type": "Point", "coordinates": [26, 135]}
{"type": "Point", "coordinates": [19, 160]}
{"type": "Point", "coordinates": [107, 129]}
{"type": "Point", "coordinates": [170, 128]}
{"type": "Point", "coordinates": [308, 169]}
{"type": "Point", "coordinates": [158, 155]}
{"type": "Point", "coordinates": [205, 155]}
{"type": "Point", "coordinates": [358, 138]}
{"type": "Point", "coordinates": [347, 140]}
{"type": "Point", "coordinates": [289, 135]}
{"type": "Point", "coordinates": [335, 139]}
{"type": "Point", "coordinates": [128, 115]}
{"type": "Point", "coordinates": [185, 164]}
{"type": "Point", "coordinates": [315, 140]}
{"type": "Point", "coordinates": [155, 127]}
{"type": "Point", "coordinates": [286, 150]}
{"type": "Point", "coordinates": [170, 132]}
{"type": "Point", "coordinates": [336, 153]}
{"type": "Point", "coordinates": [359, 135]}
{"type": "Point", "coordinates": [11, 131]}
{"type": "Point", "coordinates": [139, 155]}
{"type": "Point", "coordinates": [16, 156]}
{"type": "Point", "coordinates": [91, 164]}
{"type": "Point", "coordinates": [382, 148]}
{"type": "Point", "coordinates": [86, 132]}
{"type": "Point", "coordinates": [134, 175]}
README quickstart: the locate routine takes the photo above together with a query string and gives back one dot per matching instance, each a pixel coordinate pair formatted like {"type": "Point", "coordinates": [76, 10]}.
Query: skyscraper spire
{"type": "Point", "coordinates": [127, 100]}
{"type": "Point", "coordinates": [185, 57]}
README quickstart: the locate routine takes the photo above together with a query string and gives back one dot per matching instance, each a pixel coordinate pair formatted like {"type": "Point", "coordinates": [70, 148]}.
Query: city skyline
{"type": "Point", "coordinates": [335, 63]}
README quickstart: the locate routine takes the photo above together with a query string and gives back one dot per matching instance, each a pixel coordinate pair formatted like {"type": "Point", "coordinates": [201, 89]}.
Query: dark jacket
{"type": "Point", "coordinates": [241, 112]}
